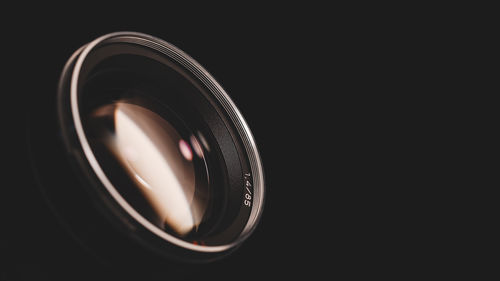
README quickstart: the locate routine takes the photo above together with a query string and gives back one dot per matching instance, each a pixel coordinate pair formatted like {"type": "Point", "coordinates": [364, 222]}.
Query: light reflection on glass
{"type": "Point", "coordinates": [159, 162]}
{"type": "Point", "coordinates": [185, 150]}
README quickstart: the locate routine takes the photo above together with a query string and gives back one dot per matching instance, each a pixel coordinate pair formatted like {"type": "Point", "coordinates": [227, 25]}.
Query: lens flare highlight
{"type": "Point", "coordinates": [159, 162]}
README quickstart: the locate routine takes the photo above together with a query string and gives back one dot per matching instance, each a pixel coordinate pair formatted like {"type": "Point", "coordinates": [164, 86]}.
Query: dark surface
{"type": "Point", "coordinates": [275, 66]}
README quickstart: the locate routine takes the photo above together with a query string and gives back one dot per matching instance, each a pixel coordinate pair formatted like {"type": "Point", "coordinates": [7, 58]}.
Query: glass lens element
{"type": "Point", "coordinates": [164, 164]}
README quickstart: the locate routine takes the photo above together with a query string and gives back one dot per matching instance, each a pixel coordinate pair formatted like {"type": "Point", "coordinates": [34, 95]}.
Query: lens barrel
{"type": "Point", "coordinates": [143, 160]}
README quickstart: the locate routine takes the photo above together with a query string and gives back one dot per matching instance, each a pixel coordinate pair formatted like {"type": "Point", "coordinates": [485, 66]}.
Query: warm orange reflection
{"type": "Point", "coordinates": [159, 161]}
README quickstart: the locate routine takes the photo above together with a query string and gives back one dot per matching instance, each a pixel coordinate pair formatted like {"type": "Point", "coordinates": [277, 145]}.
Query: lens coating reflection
{"type": "Point", "coordinates": [166, 166]}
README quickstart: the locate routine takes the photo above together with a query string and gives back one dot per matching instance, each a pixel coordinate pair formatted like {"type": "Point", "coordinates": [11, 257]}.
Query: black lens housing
{"type": "Point", "coordinates": [76, 187]}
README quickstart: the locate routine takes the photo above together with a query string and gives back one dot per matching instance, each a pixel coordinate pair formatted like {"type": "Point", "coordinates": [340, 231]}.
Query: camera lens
{"type": "Point", "coordinates": [159, 149]}
{"type": "Point", "coordinates": [159, 168]}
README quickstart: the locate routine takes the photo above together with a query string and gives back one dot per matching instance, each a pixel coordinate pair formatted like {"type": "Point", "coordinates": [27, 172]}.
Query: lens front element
{"type": "Point", "coordinates": [161, 149]}
{"type": "Point", "coordinates": [167, 169]}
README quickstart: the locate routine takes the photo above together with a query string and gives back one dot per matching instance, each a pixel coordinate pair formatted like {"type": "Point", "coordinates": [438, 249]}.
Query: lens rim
{"type": "Point", "coordinates": [193, 67]}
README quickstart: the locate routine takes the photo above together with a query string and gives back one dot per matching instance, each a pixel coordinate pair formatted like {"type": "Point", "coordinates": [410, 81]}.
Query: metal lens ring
{"type": "Point", "coordinates": [164, 140]}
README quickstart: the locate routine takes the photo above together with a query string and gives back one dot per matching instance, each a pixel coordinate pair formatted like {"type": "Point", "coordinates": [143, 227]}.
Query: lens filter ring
{"type": "Point", "coordinates": [73, 127]}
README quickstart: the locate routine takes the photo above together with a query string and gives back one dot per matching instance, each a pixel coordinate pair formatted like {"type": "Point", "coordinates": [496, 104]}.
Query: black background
{"type": "Point", "coordinates": [352, 109]}
{"type": "Point", "coordinates": [298, 75]}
